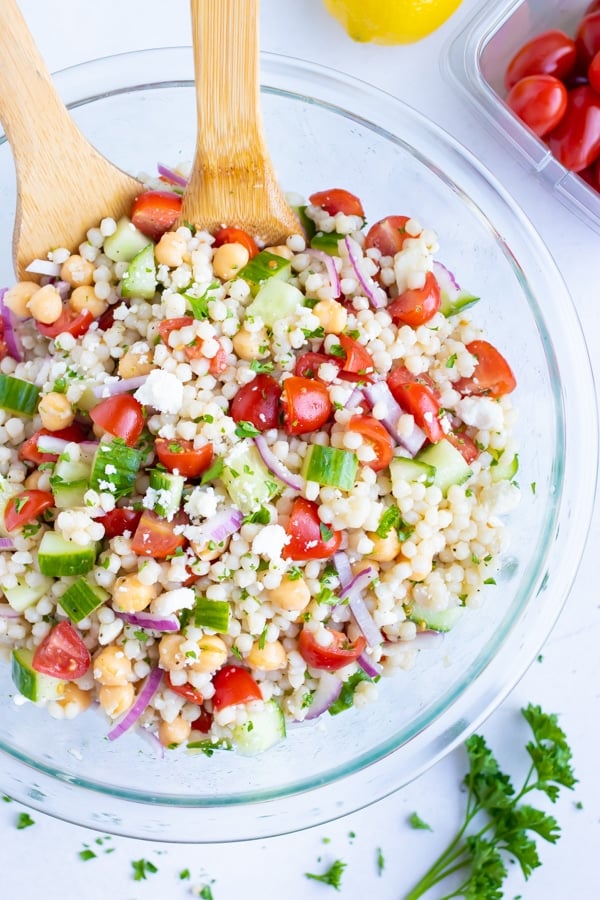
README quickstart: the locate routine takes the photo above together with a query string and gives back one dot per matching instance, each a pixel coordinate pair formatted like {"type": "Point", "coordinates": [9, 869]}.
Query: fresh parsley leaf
{"type": "Point", "coordinates": [142, 867]}
{"type": "Point", "coordinates": [261, 516]}
{"type": "Point", "coordinates": [337, 350]}
{"type": "Point", "coordinates": [206, 893]}
{"type": "Point", "coordinates": [261, 368]}
{"type": "Point", "coordinates": [326, 533]}
{"type": "Point", "coordinates": [185, 875]}
{"type": "Point", "coordinates": [199, 305]}
{"type": "Point", "coordinates": [380, 861]}
{"type": "Point", "coordinates": [346, 696]}
{"type": "Point", "coordinates": [417, 822]}
{"type": "Point", "coordinates": [333, 875]}
{"type": "Point", "coordinates": [246, 429]}
{"type": "Point", "coordinates": [24, 821]}
{"type": "Point", "coordinates": [213, 472]}
{"type": "Point", "coordinates": [86, 854]}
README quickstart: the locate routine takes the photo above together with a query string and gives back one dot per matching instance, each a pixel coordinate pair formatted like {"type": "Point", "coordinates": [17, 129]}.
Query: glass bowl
{"type": "Point", "coordinates": [325, 129]}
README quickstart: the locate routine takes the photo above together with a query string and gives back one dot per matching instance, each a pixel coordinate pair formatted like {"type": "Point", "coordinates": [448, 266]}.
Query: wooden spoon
{"type": "Point", "coordinates": [232, 181]}
{"type": "Point", "coordinates": [64, 185]}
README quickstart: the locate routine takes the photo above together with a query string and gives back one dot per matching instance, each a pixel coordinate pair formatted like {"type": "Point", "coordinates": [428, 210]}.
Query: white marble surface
{"type": "Point", "coordinates": [43, 860]}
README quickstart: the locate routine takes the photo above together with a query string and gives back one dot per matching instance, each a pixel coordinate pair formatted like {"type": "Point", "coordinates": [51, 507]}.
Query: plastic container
{"type": "Point", "coordinates": [478, 58]}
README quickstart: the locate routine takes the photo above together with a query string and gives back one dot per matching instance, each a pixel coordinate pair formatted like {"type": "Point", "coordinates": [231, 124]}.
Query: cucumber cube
{"type": "Point", "coordinates": [58, 556]}
{"type": "Point", "coordinates": [246, 478]}
{"type": "Point", "coordinates": [264, 728]}
{"type": "Point", "coordinates": [31, 684]}
{"type": "Point", "coordinates": [274, 301]}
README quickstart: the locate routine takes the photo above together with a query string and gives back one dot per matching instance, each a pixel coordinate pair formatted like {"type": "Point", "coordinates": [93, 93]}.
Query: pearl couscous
{"type": "Point", "coordinates": [234, 479]}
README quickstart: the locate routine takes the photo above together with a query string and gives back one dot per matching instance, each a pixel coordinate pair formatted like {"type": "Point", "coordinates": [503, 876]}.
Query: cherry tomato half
{"type": "Point", "coordinates": [464, 444]}
{"type": "Point", "coordinates": [306, 405]}
{"type": "Point", "coordinates": [388, 235]}
{"type": "Point", "coordinates": [257, 402]}
{"type": "Point", "coordinates": [415, 306]}
{"type": "Point", "coordinates": [338, 654]}
{"type": "Point", "coordinates": [594, 73]}
{"type": "Point", "coordinates": [551, 53]}
{"type": "Point", "coordinates": [183, 457]}
{"type": "Point", "coordinates": [309, 537]}
{"type": "Point", "coordinates": [233, 685]}
{"type": "Point", "coordinates": [358, 359]}
{"type": "Point", "coordinates": [29, 452]}
{"type": "Point", "coordinates": [307, 365]}
{"type": "Point", "coordinates": [587, 38]}
{"type": "Point", "coordinates": [575, 141]}
{"type": "Point", "coordinates": [121, 416]}
{"type": "Point", "coordinates": [337, 200]}
{"type": "Point", "coordinates": [69, 322]}
{"type": "Point", "coordinates": [374, 433]}
{"type": "Point", "coordinates": [119, 520]}
{"type": "Point", "coordinates": [156, 537]}
{"type": "Point", "coordinates": [236, 236]}
{"type": "Point", "coordinates": [186, 690]}
{"type": "Point", "coordinates": [420, 401]}
{"type": "Point", "coordinates": [155, 212]}
{"type": "Point", "coordinates": [62, 654]}
{"type": "Point", "coordinates": [216, 364]}
{"type": "Point", "coordinates": [492, 376]}
{"type": "Point", "coordinates": [25, 507]}
{"type": "Point", "coordinates": [540, 101]}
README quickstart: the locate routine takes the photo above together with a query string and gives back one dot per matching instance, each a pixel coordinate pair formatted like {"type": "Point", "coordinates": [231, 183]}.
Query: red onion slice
{"type": "Point", "coordinates": [332, 273]}
{"type": "Point", "coordinates": [352, 593]}
{"type": "Point", "coordinates": [341, 562]}
{"type": "Point", "coordinates": [7, 612]}
{"type": "Point", "coordinates": [372, 290]}
{"type": "Point", "coordinates": [11, 334]}
{"type": "Point", "coordinates": [171, 175]}
{"type": "Point", "coordinates": [275, 466]}
{"type": "Point", "coordinates": [150, 621]}
{"type": "Point", "coordinates": [44, 267]}
{"type": "Point", "coordinates": [327, 692]}
{"type": "Point", "coordinates": [220, 526]}
{"type": "Point", "coordinates": [370, 668]}
{"type": "Point", "coordinates": [46, 443]}
{"type": "Point", "coordinates": [120, 386]}
{"type": "Point", "coordinates": [379, 393]}
{"type": "Point", "coordinates": [143, 699]}
{"type": "Point", "coordinates": [7, 543]}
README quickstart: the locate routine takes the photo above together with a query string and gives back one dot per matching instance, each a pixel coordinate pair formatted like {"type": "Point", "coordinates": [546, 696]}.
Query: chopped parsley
{"type": "Point", "coordinates": [261, 516]}
{"type": "Point", "coordinates": [415, 821]}
{"type": "Point", "coordinates": [326, 533]}
{"type": "Point", "coordinates": [141, 868]}
{"type": "Point", "coordinates": [380, 861]}
{"type": "Point", "coordinates": [24, 821]}
{"type": "Point", "coordinates": [262, 368]}
{"type": "Point", "coordinates": [333, 875]}
{"type": "Point", "coordinates": [245, 429]}
{"type": "Point", "coordinates": [213, 472]}
{"type": "Point", "coordinates": [346, 696]}
{"type": "Point", "coordinates": [86, 854]}
{"type": "Point", "coordinates": [185, 875]}
{"type": "Point", "coordinates": [294, 573]}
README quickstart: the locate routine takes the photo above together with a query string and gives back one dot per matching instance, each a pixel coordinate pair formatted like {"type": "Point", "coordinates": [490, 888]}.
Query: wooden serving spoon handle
{"type": "Point", "coordinates": [64, 185]}
{"type": "Point", "coordinates": [232, 181]}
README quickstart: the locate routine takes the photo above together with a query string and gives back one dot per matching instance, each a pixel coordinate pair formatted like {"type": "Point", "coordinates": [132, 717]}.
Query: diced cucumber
{"type": "Point", "coordinates": [450, 465]}
{"type": "Point", "coordinates": [275, 300]}
{"type": "Point", "coordinates": [307, 224]}
{"type": "Point", "coordinates": [68, 496]}
{"type": "Point", "coordinates": [22, 595]}
{"type": "Point", "coordinates": [18, 396]}
{"type": "Point", "coordinates": [436, 619]}
{"type": "Point", "coordinates": [58, 556]}
{"type": "Point", "coordinates": [140, 278]}
{"type": "Point", "coordinates": [403, 469]}
{"type": "Point", "coordinates": [70, 478]}
{"type": "Point", "coordinates": [34, 685]}
{"type": "Point", "coordinates": [82, 598]}
{"type": "Point", "coordinates": [214, 614]}
{"type": "Point", "coordinates": [453, 298]}
{"type": "Point", "coordinates": [330, 466]}
{"type": "Point", "coordinates": [115, 467]}
{"type": "Point", "coordinates": [246, 478]}
{"type": "Point", "coordinates": [7, 490]}
{"type": "Point", "coordinates": [126, 242]}
{"type": "Point", "coordinates": [264, 728]}
{"type": "Point", "coordinates": [263, 267]}
{"type": "Point", "coordinates": [505, 468]}
{"type": "Point", "coordinates": [327, 241]}
{"type": "Point", "coordinates": [166, 491]}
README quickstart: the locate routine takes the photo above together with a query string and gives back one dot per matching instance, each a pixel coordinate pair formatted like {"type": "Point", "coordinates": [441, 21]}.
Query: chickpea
{"type": "Point", "coordinates": [46, 305]}
{"type": "Point", "coordinates": [332, 316]}
{"type": "Point", "coordinates": [251, 344]}
{"type": "Point", "coordinates": [77, 270]}
{"type": "Point", "coordinates": [212, 654]}
{"type": "Point", "coordinates": [385, 549]}
{"type": "Point", "coordinates": [84, 298]}
{"type": "Point", "coordinates": [112, 667]}
{"type": "Point", "coordinates": [17, 297]}
{"type": "Point", "coordinates": [37, 481]}
{"type": "Point", "coordinates": [116, 698]}
{"type": "Point", "coordinates": [281, 250]}
{"type": "Point", "coordinates": [170, 655]}
{"type": "Point", "coordinates": [204, 551]}
{"type": "Point", "coordinates": [291, 594]}
{"type": "Point", "coordinates": [229, 259]}
{"type": "Point", "coordinates": [74, 699]}
{"type": "Point", "coordinates": [132, 364]}
{"type": "Point", "coordinates": [130, 595]}
{"type": "Point", "coordinates": [55, 411]}
{"type": "Point", "coordinates": [268, 658]}
{"type": "Point", "coordinates": [175, 732]}
{"type": "Point", "coordinates": [171, 250]}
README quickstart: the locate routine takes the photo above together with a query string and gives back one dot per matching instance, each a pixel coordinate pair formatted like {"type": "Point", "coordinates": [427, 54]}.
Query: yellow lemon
{"type": "Point", "coordinates": [391, 21]}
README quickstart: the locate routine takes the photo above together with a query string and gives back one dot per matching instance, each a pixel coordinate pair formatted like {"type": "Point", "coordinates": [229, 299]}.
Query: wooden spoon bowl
{"type": "Point", "coordinates": [232, 181]}
{"type": "Point", "coordinates": [64, 185]}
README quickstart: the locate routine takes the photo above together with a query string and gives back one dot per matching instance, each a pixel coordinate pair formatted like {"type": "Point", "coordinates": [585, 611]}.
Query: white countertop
{"type": "Point", "coordinates": [43, 860]}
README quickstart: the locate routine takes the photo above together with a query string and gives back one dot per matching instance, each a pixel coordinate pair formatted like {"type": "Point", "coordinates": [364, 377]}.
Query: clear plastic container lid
{"type": "Point", "coordinates": [477, 58]}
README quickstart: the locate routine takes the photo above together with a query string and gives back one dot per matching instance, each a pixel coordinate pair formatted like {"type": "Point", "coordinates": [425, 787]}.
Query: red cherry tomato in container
{"type": "Point", "coordinates": [587, 38]}
{"type": "Point", "coordinates": [309, 537]}
{"type": "Point", "coordinates": [550, 53]}
{"type": "Point", "coordinates": [257, 402]}
{"type": "Point", "coordinates": [119, 520]}
{"type": "Point", "coordinates": [420, 401]}
{"type": "Point", "coordinates": [25, 507]}
{"type": "Point", "coordinates": [29, 450]}
{"type": "Point", "coordinates": [155, 212]}
{"type": "Point", "coordinates": [120, 416]}
{"type": "Point", "coordinates": [156, 537]}
{"type": "Point", "coordinates": [69, 322]}
{"type": "Point", "coordinates": [236, 236]}
{"type": "Point", "coordinates": [492, 376]}
{"type": "Point", "coordinates": [306, 405]}
{"type": "Point", "coordinates": [186, 690]}
{"type": "Point", "coordinates": [339, 653]}
{"type": "Point", "coordinates": [374, 434]}
{"type": "Point", "coordinates": [62, 654]}
{"type": "Point", "coordinates": [575, 141]}
{"type": "Point", "coordinates": [388, 235]}
{"type": "Point", "coordinates": [183, 456]}
{"type": "Point", "coordinates": [416, 306]}
{"type": "Point", "coordinates": [358, 359]}
{"type": "Point", "coordinates": [337, 200]}
{"type": "Point", "coordinates": [233, 685]}
{"type": "Point", "coordinates": [594, 72]}
{"type": "Point", "coordinates": [540, 101]}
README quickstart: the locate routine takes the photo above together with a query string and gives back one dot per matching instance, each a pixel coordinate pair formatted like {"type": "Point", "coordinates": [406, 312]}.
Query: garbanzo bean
{"type": "Point", "coordinates": [170, 654]}
{"type": "Point", "coordinates": [251, 344]}
{"type": "Point", "coordinates": [171, 250]}
{"type": "Point", "coordinates": [130, 595]}
{"type": "Point", "coordinates": [269, 657]}
{"type": "Point", "coordinates": [384, 549]}
{"type": "Point", "coordinates": [133, 364]}
{"type": "Point", "coordinates": [116, 698]}
{"type": "Point", "coordinates": [112, 667]}
{"type": "Point", "coordinates": [46, 305]}
{"type": "Point", "coordinates": [229, 259]}
{"type": "Point", "coordinates": [332, 316]}
{"type": "Point", "coordinates": [77, 270]}
{"type": "Point", "coordinates": [17, 297]}
{"type": "Point", "coordinates": [291, 594]}
{"type": "Point", "coordinates": [75, 698]}
{"type": "Point", "coordinates": [212, 654]}
{"type": "Point", "coordinates": [175, 732]}
{"type": "Point", "coordinates": [55, 411]}
{"type": "Point", "coordinates": [84, 298]}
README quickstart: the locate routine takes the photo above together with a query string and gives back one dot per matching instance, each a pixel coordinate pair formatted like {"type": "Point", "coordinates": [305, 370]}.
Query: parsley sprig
{"type": "Point", "coordinates": [505, 822]}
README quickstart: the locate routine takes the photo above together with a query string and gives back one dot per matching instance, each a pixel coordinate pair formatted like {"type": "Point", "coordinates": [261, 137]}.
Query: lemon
{"type": "Point", "coordinates": [391, 21]}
